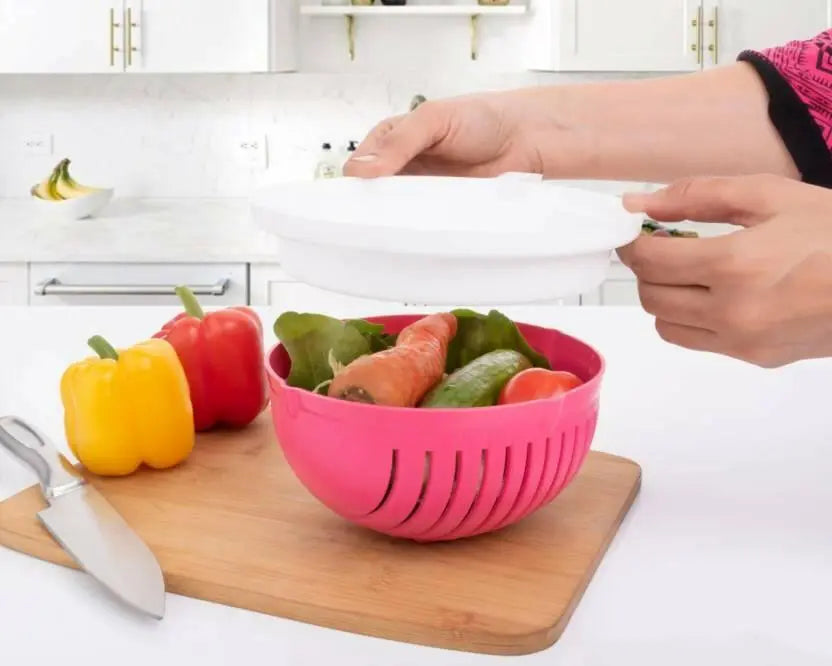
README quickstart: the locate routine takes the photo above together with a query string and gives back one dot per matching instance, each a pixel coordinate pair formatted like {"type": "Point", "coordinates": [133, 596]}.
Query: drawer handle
{"type": "Point", "coordinates": [54, 287]}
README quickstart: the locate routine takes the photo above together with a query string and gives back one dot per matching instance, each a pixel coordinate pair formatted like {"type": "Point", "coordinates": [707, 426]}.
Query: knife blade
{"type": "Point", "coordinates": [85, 524]}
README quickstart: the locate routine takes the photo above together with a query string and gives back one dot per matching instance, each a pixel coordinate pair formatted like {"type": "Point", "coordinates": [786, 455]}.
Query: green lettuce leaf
{"type": "Point", "coordinates": [478, 334]}
{"type": "Point", "coordinates": [309, 340]}
{"type": "Point", "coordinates": [374, 334]}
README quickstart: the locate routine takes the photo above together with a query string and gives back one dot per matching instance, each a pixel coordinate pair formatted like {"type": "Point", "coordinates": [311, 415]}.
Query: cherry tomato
{"type": "Point", "coordinates": [537, 384]}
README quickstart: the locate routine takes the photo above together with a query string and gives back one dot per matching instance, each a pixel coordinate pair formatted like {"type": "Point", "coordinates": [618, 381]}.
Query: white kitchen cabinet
{"type": "Point", "coordinates": [47, 36]}
{"type": "Point", "coordinates": [192, 36]}
{"type": "Point", "coordinates": [620, 288]}
{"type": "Point", "coordinates": [731, 26]}
{"type": "Point", "coordinates": [136, 284]}
{"type": "Point", "coordinates": [602, 35]}
{"type": "Point", "coordinates": [13, 282]}
{"type": "Point", "coordinates": [664, 35]}
{"type": "Point", "coordinates": [270, 286]}
{"type": "Point", "coordinates": [143, 36]}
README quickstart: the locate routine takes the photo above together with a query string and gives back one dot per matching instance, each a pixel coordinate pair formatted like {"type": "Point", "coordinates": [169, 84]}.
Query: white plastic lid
{"type": "Point", "coordinates": [514, 215]}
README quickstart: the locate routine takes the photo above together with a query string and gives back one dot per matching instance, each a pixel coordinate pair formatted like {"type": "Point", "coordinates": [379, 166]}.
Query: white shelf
{"type": "Point", "coordinates": [413, 10]}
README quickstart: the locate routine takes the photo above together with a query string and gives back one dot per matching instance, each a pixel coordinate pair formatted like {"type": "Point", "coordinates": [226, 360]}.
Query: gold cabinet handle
{"type": "Point", "coordinates": [475, 20]}
{"type": "Point", "coordinates": [350, 18]}
{"type": "Point", "coordinates": [113, 48]}
{"type": "Point", "coordinates": [696, 47]}
{"type": "Point", "coordinates": [129, 24]}
{"type": "Point", "coordinates": [713, 47]}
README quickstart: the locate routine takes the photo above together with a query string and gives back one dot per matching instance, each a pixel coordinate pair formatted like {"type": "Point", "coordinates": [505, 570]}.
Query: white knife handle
{"type": "Point", "coordinates": [32, 448]}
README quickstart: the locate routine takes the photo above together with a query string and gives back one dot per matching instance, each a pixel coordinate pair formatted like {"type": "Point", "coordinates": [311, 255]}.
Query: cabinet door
{"type": "Point", "coordinates": [47, 36]}
{"type": "Point", "coordinates": [13, 281]}
{"type": "Point", "coordinates": [272, 287]}
{"type": "Point", "coordinates": [732, 26]}
{"type": "Point", "coordinates": [190, 36]}
{"type": "Point", "coordinates": [600, 35]}
{"type": "Point", "coordinates": [620, 288]}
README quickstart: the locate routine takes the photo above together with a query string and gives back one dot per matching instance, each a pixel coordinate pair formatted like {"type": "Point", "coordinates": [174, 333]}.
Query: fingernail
{"type": "Point", "coordinates": [364, 158]}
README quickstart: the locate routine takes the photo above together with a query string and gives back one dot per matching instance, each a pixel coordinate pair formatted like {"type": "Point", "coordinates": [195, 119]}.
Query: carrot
{"type": "Point", "coordinates": [402, 375]}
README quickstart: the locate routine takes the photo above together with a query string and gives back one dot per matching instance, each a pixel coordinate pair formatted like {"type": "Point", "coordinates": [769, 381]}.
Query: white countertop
{"type": "Point", "coordinates": [724, 558]}
{"type": "Point", "coordinates": [155, 230]}
{"type": "Point", "coordinates": [136, 230]}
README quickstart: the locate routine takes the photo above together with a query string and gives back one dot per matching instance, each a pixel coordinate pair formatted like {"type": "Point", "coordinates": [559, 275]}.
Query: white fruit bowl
{"type": "Point", "coordinates": [78, 208]}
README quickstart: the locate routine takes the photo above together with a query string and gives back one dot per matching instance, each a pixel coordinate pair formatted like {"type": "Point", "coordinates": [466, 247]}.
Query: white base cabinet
{"type": "Point", "coordinates": [13, 283]}
{"type": "Point", "coordinates": [136, 284]}
{"type": "Point", "coordinates": [271, 286]}
{"type": "Point", "coordinates": [620, 288]}
{"type": "Point", "coordinates": [260, 285]}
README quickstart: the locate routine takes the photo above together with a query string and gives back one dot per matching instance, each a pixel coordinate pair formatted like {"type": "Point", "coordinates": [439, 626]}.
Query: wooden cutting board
{"type": "Point", "coordinates": [233, 525]}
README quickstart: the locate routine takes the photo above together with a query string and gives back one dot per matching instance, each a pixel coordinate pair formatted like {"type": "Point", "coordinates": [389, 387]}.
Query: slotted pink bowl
{"type": "Point", "coordinates": [439, 474]}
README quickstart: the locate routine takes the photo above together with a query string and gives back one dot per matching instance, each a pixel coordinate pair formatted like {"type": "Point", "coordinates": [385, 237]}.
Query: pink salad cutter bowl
{"type": "Point", "coordinates": [439, 474]}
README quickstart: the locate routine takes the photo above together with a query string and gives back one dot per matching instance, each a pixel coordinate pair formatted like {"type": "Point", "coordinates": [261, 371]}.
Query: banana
{"type": "Point", "coordinates": [72, 183]}
{"type": "Point", "coordinates": [66, 186]}
{"type": "Point", "coordinates": [48, 189]}
{"type": "Point", "coordinates": [60, 185]}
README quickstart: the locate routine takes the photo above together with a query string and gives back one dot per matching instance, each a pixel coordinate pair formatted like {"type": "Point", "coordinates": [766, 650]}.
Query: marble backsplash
{"type": "Point", "coordinates": [176, 136]}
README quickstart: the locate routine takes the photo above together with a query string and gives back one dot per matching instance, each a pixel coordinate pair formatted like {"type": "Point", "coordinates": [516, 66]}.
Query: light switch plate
{"type": "Point", "coordinates": [252, 152]}
{"type": "Point", "coordinates": [37, 144]}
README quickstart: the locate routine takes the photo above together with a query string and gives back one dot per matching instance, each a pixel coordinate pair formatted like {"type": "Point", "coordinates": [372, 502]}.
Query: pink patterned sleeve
{"type": "Point", "coordinates": [798, 77]}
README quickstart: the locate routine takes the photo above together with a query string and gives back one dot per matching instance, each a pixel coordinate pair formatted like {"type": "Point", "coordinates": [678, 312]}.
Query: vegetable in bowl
{"type": "Point", "coordinates": [450, 359]}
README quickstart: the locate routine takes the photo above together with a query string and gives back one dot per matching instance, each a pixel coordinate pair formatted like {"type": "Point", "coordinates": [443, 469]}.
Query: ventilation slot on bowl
{"type": "Point", "coordinates": [561, 468]}
{"type": "Point", "coordinates": [425, 479]}
{"type": "Point", "coordinates": [578, 452]}
{"type": "Point", "coordinates": [403, 493]}
{"type": "Point", "coordinates": [536, 461]}
{"type": "Point", "coordinates": [468, 479]}
{"type": "Point", "coordinates": [515, 474]}
{"type": "Point", "coordinates": [547, 475]}
{"type": "Point", "coordinates": [494, 475]}
{"type": "Point", "coordinates": [387, 492]}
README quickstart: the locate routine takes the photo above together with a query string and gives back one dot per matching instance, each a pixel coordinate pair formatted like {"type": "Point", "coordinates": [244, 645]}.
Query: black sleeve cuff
{"type": "Point", "coordinates": [792, 120]}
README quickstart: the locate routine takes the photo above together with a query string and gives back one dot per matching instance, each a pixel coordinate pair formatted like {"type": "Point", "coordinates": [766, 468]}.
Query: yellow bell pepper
{"type": "Point", "coordinates": [128, 407]}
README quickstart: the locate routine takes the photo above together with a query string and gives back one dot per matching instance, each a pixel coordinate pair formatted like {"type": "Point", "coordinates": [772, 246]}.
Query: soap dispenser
{"type": "Point", "coordinates": [326, 167]}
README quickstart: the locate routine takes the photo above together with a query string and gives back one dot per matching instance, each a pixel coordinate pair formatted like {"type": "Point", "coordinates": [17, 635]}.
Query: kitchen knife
{"type": "Point", "coordinates": [85, 524]}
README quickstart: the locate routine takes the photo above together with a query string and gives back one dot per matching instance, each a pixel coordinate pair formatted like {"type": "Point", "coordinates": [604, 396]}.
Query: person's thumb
{"type": "Point", "coordinates": [391, 145]}
{"type": "Point", "coordinates": [744, 200]}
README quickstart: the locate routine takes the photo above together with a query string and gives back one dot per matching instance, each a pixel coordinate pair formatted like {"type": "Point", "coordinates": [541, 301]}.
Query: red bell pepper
{"type": "Point", "coordinates": [222, 355]}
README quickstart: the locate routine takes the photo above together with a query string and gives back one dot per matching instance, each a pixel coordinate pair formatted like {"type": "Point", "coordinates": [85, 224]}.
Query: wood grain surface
{"type": "Point", "coordinates": [232, 525]}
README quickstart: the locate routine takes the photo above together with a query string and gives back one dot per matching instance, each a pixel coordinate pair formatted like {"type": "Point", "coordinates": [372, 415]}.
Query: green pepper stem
{"type": "Point", "coordinates": [192, 306]}
{"type": "Point", "coordinates": [103, 348]}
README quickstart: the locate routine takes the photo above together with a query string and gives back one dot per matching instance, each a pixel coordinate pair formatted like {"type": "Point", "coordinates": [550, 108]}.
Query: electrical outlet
{"type": "Point", "coordinates": [252, 152]}
{"type": "Point", "coordinates": [37, 144]}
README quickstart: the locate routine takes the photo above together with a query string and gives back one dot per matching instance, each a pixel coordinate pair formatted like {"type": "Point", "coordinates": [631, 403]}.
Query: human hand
{"type": "Point", "coordinates": [762, 294]}
{"type": "Point", "coordinates": [478, 135]}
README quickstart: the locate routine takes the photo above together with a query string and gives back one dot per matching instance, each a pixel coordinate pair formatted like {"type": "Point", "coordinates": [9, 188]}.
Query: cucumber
{"type": "Point", "coordinates": [477, 384]}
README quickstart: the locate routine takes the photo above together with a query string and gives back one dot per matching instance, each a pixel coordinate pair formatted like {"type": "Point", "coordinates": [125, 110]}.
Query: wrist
{"type": "Point", "coordinates": [562, 135]}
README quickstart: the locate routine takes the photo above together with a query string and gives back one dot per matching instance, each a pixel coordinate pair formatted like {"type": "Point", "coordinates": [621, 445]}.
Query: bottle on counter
{"type": "Point", "coordinates": [327, 167]}
{"type": "Point", "coordinates": [417, 101]}
{"type": "Point", "coordinates": [351, 148]}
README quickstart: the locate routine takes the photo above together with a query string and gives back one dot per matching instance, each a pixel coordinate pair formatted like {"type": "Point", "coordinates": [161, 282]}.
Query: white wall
{"type": "Point", "coordinates": [175, 135]}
